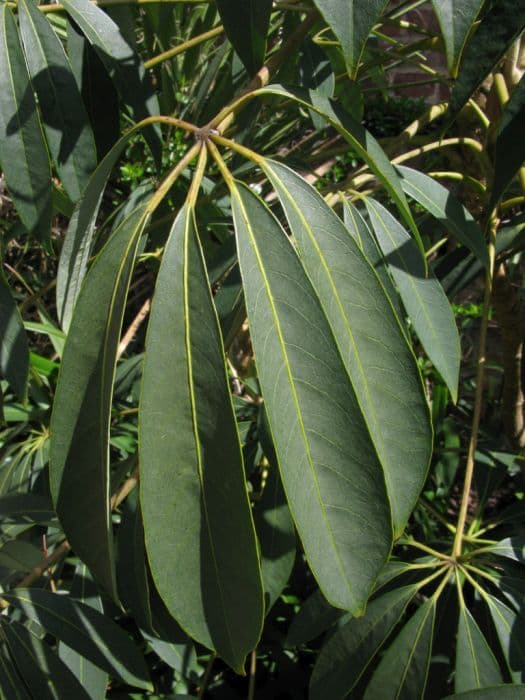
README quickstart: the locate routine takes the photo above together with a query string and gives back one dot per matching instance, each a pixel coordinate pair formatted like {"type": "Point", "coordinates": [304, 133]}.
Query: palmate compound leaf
{"type": "Point", "coordinates": [23, 151]}
{"type": "Point", "coordinates": [66, 122]}
{"type": "Point", "coordinates": [79, 459]}
{"type": "Point", "coordinates": [380, 364]}
{"type": "Point", "coordinates": [425, 301]}
{"type": "Point", "coordinates": [331, 475]}
{"type": "Point", "coordinates": [198, 527]}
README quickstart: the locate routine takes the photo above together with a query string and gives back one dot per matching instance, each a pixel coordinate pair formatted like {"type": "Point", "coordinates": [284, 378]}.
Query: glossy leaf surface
{"type": "Point", "coordinates": [331, 475]}
{"type": "Point", "coordinates": [66, 122]}
{"type": "Point", "coordinates": [424, 299]}
{"type": "Point", "coordinates": [351, 22]}
{"type": "Point", "coordinates": [23, 152]}
{"type": "Point", "coordinates": [192, 475]}
{"type": "Point", "coordinates": [79, 468]}
{"type": "Point", "coordinates": [381, 366]}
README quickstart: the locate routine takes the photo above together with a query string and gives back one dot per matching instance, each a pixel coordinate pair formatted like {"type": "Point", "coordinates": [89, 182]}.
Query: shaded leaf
{"type": "Point", "coordinates": [82, 628]}
{"type": "Point", "coordinates": [402, 672]}
{"type": "Point", "coordinates": [66, 122]}
{"type": "Point", "coordinates": [14, 351]}
{"type": "Point", "coordinates": [380, 364]}
{"type": "Point", "coordinates": [424, 299]}
{"type": "Point", "coordinates": [330, 472]}
{"type": "Point", "coordinates": [79, 460]}
{"type": "Point", "coordinates": [122, 63]}
{"type": "Point", "coordinates": [43, 672]}
{"type": "Point", "coordinates": [180, 656]}
{"type": "Point", "coordinates": [315, 617]}
{"type": "Point", "coordinates": [11, 685]}
{"type": "Point", "coordinates": [19, 555]}
{"type": "Point", "coordinates": [23, 152]}
{"type": "Point", "coordinates": [78, 243]}
{"type": "Point", "coordinates": [361, 140]}
{"type": "Point", "coordinates": [510, 547]}
{"type": "Point", "coordinates": [446, 208]}
{"type": "Point", "coordinates": [501, 692]}
{"type": "Point", "coordinates": [276, 533]}
{"type": "Point", "coordinates": [511, 634]}
{"type": "Point", "coordinates": [502, 24]}
{"type": "Point", "coordinates": [246, 25]}
{"type": "Point", "coordinates": [193, 476]}
{"type": "Point", "coordinates": [351, 21]}
{"type": "Point", "coordinates": [456, 18]}
{"type": "Point", "coordinates": [476, 666]}
{"type": "Point", "coordinates": [510, 151]}
{"type": "Point", "coordinates": [347, 653]}
{"type": "Point", "coordinates": [93, 679]}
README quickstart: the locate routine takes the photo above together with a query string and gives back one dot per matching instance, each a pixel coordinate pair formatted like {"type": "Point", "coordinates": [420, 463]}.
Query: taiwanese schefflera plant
{"type": "Point", "coordinates": [184, 495]}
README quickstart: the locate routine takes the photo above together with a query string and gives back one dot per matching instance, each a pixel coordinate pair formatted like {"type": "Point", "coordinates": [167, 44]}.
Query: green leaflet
{"type": "Point", "coordinates": [380, 364]}
{"type": "Point", "coordinates": [246, 25]}
{"type": "Point", "coordinates": [510, 150]}
{"type": "Point", "coordinates": [23, 152]}
{"type": "Point", "coordinates": [361, 141]}
{"type": "Point", "coordinates": [66, 122]}
{"type": "Point", "coordinates": [498, 29]}
{"type": "Point", "coordinates": [11, 685]}
{"type": "Point", "coordinates": [93, 635]}
{"type": "Point", "coordinates": [348, 652]}
{"type": "Point", "coordinates": [496, 692]}
{"type": "Point", "coordinates": [351, 21]}
{"type": "Point", "coordinates": [14, 352]}
{"type": "Point", "coordinates": [476, 666]}
{"type": "Point", "coordinates": [79, 460]}
{"type": "Point", "coordinates": [511, 633]}
{"type": "Point", "coordinates": [456, 18]}
{"type": "Point", "coordinates": [445, 207]}
{"type": "Point", "coordinates": [122, 63]}
{"type": "Point", "coordinates": [198, 527]}
{"type": "Point", "coordinates": [331, 475]}
{"type": "Point", "coordinates": [424, 299]}
{"type": "Point", "coordinates": [46, 676]}
{"type": "Point", "coordinates": [93, 679]}
{"type": "Point", "coordinates": [510, 547]}
{"type": "Point", "coordinates": [78, 243]}
{"type": "Point", "coordinates": [402, 672]}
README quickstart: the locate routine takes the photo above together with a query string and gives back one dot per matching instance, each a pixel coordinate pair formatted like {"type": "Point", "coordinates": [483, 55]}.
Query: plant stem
{"type": "Point", "coordinates": [478, 399]}
{"type": "Point", "coordinates": [181, 48]}
{"type": "Point", "coordinates": [206, 676]}
{"type": "Point", "coordinates": [197, 178]}
{"type": "Point", "coordinates": [428, 550]}
{"type": "Point", "coordinates": [253, 668]}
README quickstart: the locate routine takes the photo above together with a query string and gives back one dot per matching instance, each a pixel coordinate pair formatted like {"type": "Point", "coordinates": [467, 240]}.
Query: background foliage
{"type": "Point", "coordinates": [261, 332]}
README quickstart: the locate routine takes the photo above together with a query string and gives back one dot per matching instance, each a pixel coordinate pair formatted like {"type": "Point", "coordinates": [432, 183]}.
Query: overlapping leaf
{"type": "Point", "coordinates": [351, 22]}
{"type": "Point", "coordinates": [79, 468]}
{"type": "Point", "coordinates": [23, 151]}
{"type": "Point", "coordinates": [361, 140]}
{"type": "Point", "coordinates": [92, 634]}
{"type": "Point", "coordinates": [122, 63]}
{"type": "Point", "coordinates": [476, 666]}
{"type": "Point", "coordinates": [347, 653]}
{"type": "Point", "coordinates": [66, 122]}
{"type": "Point", "coordinates": [246, 25]}
{"type": "Point", "coordinates": [14, 352]}
{"type": "Point", "coordinates": [377, 358]}
{"type": "Point", "coordinates": [331, 475]}
{"type": "Point", "coordinates": [192, 478]}
{"type": "Point", "coordinates": [426, 304]}
{"type": "Point", "coordinates": [511, 633]}
{"type": "Point", "coordinates": [402, 672]}
{"type": "Point", "coordinates": [456, 18]}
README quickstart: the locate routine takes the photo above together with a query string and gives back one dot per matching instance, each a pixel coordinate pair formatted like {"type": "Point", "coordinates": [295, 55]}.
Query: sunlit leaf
{"type": "Point", "coordinates": [456, 18]}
